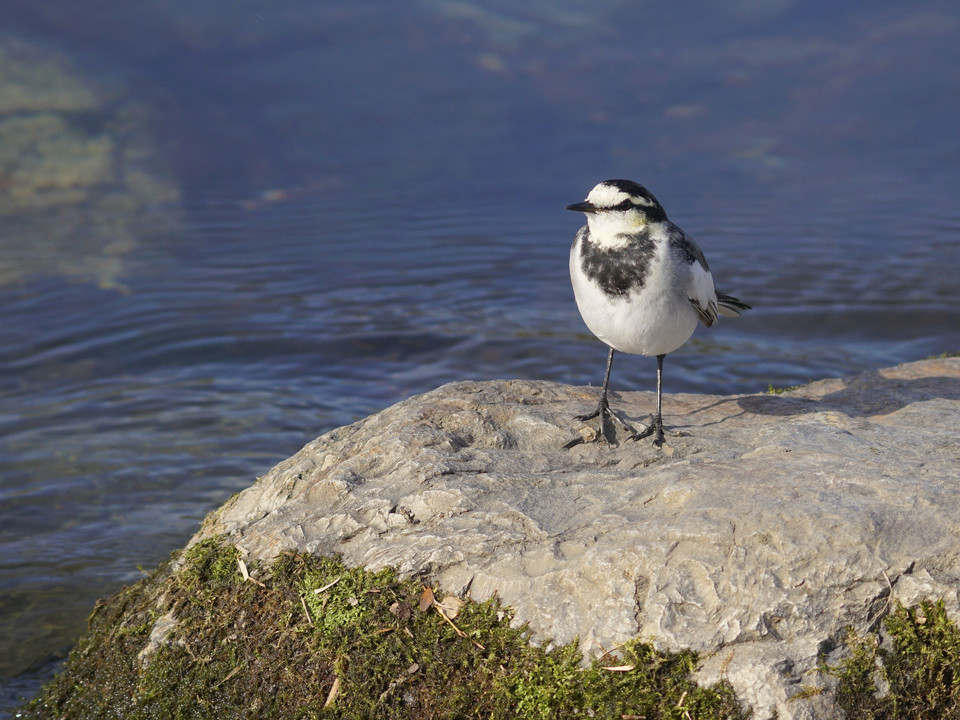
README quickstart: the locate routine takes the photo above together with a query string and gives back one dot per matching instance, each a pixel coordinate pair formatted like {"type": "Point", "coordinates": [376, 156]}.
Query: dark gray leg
{"type": "Point", "coordinates": [603, 410]}
{"type": "Point", "coordinates": [658, 420]}
{"type": "Point", "coordinates": [656, 426]}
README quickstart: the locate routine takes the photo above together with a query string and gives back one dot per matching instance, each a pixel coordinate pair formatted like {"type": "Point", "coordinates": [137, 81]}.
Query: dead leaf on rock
{"type": "Point", "coordinates": [401, 610]}
{"type": "Point", "coordinates": [426, 599]}
{"type": "Point", "coordinates": [450, 606]}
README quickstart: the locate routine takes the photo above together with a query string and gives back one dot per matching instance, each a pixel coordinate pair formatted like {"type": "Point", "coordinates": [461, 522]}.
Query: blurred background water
{"type": "Point", "coordinates": [226, 228]}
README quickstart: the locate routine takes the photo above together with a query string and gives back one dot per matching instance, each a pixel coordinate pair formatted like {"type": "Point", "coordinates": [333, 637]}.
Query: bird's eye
{"type": "Point", "coordinates": [624, 205]}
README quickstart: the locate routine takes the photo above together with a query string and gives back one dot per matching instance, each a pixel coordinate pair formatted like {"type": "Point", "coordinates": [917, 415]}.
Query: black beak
{"type": "Point", "coordinates": [584, 207]}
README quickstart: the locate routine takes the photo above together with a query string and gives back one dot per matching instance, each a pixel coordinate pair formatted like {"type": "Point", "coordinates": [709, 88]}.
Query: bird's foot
{"type": "Point", "coordinates": [588, 416]}
{"type": "Point", "coordinates": [655, 428]}
{"type": "Point", "coordinates": [608, 419]}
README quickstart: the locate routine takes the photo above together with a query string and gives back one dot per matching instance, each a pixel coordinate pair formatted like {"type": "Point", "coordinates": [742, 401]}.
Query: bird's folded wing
{"type": "Point", "coordinates": [702, 294]}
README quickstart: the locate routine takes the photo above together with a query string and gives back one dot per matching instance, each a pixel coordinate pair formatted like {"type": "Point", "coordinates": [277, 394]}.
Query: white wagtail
{"type": "Point", "coordinates": [641, 284]}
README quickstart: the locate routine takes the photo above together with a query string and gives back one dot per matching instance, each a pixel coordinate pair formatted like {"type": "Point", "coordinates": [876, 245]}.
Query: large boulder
{"type": "Point", "coordinates": [764, 527]}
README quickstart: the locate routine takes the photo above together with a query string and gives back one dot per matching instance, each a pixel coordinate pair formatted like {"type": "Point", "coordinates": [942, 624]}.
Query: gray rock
{"type": "Point", "coordinates": [765, 525]}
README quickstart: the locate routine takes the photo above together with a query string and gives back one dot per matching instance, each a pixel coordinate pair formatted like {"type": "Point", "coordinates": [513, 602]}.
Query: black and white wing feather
{"type": "Point", "coordinates": [729, 306]}
{"type": "Point", "coordinates": [699, 281]}
{"type": "Point", "coordinates": [701, 292]}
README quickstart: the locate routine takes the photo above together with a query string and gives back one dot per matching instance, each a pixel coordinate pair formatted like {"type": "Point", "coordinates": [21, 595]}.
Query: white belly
{"type": "Point", "coordinates": [653, 321]}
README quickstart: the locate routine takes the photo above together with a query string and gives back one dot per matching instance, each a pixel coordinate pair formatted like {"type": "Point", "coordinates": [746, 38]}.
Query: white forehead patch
{"type": "Point", "coordinates": [605, 196]}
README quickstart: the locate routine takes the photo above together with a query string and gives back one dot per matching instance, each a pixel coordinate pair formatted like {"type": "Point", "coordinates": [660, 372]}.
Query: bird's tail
{"type": "Point", "coordinates": [729, 306]}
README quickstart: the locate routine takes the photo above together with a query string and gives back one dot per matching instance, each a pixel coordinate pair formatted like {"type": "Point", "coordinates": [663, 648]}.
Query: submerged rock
{"type": "Point", "coordinates": [765, 526]}
{"type": "Point", "coordinates": [81, 181]}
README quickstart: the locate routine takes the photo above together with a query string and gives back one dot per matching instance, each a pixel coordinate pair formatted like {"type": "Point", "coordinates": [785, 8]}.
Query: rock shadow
{"type": "Point", "coordinates": [866, 395]}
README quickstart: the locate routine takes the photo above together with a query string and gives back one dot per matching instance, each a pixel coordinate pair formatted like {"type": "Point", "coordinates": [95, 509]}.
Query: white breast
{"type": "Point", "coordinates": [652, 321]}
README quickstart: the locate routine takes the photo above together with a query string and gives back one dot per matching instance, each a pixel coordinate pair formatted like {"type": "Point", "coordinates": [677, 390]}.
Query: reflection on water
{"type": "Point", "coordinates": [370, 204]}
{"type": "Point", "coordinates": [79, 178]}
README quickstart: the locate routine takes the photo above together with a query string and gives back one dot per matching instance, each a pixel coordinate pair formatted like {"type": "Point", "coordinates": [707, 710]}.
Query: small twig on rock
{"type": "Point", "coordinates": [886, 607]}
{"type": "Point", "coordinates": [305, 611]}
{"type": "Point", "coordinates": [612, 650]}
{"type": "Point", "coordinates": [725, 664]}
{"type": "Point", "coordinates": [246, 573]}
{"type": "Point", "coordinates": [327, 586]}
{"type": "Point", "coordinates": [457, 630]}
{"type": "Point", "coordinates": [334, 691]}
{"type": "Point", "coordinates": [440, 609]}
{"type": "Point", "coordinates": [230, 674]}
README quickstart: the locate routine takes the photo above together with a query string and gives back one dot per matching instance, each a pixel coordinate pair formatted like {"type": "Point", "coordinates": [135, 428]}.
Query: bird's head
{"type": "Point", "coordinates": [620, 206]}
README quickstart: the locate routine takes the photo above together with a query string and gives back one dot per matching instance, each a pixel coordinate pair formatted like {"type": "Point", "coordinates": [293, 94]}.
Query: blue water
{"type": "Point", "coordinates": [372, 205]}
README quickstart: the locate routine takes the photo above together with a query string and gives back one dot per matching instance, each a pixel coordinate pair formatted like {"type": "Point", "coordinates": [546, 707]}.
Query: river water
{"type": "Point", "coordinates": [367, 202]}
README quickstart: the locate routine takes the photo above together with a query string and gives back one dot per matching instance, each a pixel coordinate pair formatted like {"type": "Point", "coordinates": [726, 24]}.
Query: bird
{"type": "Point", "coordinates": [641, 285]}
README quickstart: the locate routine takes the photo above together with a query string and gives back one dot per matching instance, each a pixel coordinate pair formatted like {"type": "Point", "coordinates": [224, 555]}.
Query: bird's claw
{"type": "Point", "coordinates": [608, 418]}
{"type": "Point", "coordinates": [606, 415]}
{"type": "Point", "coordinates": [655, 429]}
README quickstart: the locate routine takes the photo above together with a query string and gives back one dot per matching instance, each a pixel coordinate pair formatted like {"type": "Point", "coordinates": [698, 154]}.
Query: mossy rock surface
{"type": "Point", "coordinates": [763, 527]}
{"type": "Point", "coordinates": [910, 670]}
{"type": "Point", "coordinates": [307, 637]}
{"type": "Point", "coordinates": [467, 490]}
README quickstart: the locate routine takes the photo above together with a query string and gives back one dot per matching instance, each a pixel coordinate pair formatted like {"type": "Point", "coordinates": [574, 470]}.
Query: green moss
{"type": "Point", "coordinates": [275, 647]}
{"type": "Point", "coordinates": [211, 563]}
{"type": "Point", "coordinates": [771, 390]}
{"type": "Point", "coordinates": [912, 675]}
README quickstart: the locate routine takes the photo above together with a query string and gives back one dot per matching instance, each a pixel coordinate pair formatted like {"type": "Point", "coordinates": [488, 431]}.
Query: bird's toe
{"type": "Point", "coordinates": [587, 416]}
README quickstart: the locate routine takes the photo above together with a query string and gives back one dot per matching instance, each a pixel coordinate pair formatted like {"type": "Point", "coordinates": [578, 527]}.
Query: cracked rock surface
{"type": "Point", "coordinates": [765, 525]}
